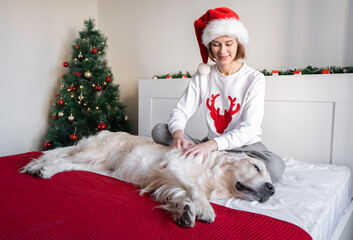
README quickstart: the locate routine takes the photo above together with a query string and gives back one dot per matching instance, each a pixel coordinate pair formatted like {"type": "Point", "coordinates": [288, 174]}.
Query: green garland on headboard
{"type": "Point", "coordinates": [312, 70]}
{"type": "Point", "coordinates": [304, 71]}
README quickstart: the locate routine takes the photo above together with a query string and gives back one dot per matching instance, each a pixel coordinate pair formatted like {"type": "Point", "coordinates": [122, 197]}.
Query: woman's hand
{"type": "Point", "coordinates": [201, 149]}
{"type": "Point", "coordinates": [179, 140]}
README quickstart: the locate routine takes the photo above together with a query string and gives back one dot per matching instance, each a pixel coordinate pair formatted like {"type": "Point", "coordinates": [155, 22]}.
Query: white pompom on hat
{"type": "Point", "coordinates": [216, 23]}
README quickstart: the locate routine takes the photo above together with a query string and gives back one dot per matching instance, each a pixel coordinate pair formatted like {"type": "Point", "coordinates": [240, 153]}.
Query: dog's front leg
{"type": "Point", "coordinates": [203, 209]}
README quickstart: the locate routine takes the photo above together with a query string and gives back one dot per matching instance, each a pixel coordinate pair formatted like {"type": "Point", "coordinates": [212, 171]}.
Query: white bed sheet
{"type": "Point", "coordinates": [311, 196]}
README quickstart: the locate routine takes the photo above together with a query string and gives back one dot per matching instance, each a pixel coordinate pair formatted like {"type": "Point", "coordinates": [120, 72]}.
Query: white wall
{"type": "Point", "coordinates": [36, 38]}
{"type": "Point", "coordinates": [147, 38]}
{"type": "Point", "coordinates": [157, 36]}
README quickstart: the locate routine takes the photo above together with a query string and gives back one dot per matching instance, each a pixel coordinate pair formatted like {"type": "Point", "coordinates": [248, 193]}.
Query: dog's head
{"type": "Point", "coordinates": [250, 180]}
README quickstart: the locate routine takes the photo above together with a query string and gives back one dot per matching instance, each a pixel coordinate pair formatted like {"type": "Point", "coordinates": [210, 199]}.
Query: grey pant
{"type": "Point", "coordinates": [274, 164]}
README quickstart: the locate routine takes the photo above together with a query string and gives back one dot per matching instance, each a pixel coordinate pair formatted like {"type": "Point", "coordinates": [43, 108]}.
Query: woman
{"type": "Point", "coordinates": [230, 93]}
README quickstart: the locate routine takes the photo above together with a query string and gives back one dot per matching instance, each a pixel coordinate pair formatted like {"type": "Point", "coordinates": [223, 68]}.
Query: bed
{"type": "Point", "coordinates": [312, 201]}
{"type": "Point", "coordinates": [308, 121]}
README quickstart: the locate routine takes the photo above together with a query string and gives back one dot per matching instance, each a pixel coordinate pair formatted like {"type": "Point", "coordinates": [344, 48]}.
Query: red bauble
{"type": "Point", "coordinates": [60, 102]}
{"type": "Point", "coordinates": [73, 88]}
{"type": "Point", "coordinates": [55, 117]}
{"type": "Point", "coordinates": [102, 126]}
{"type": "Point", "coordinates": [66, 64]}
{"type": "Point", "coordinates": [98, 87]}
{"type": "Point", "coordinates": [47, 144]}
{"type": "Point", "coordinates": [77, 46]}
{"type": "Point", "coordinates": [108, 79]}
{"type": "Point", "coordinates": [169, 77]}
{"type": "Point", "coordinates": [73, 137]}
{"type": "Point", "coordinates": [94, 50]}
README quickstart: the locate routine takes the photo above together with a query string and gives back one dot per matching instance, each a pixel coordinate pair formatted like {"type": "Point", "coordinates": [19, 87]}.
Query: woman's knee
{"type": "Point", "coordinates": [160, 134]}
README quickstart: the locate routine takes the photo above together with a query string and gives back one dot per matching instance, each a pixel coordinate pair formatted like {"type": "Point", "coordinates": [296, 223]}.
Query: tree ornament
{"type": "Point", "coordinates": [60, 114]}
{"type": "Point", "coordinates": [71, 118]}
{"type": "Point", "coordinates": [55, 117]}
{"type": "Point", "coordinates": [108, 79]}
{"type": "Point", "coordinates": [62, 86]}
{"type": "Point", "coordinates": [126, 117]}
{"type": "Point", "coordinates": [102, 126]}
{"type": "Point", "coordinates": [80, 55]}
{"type": "Point", "coordinates": [60, 102]}
{"type": "Point", "coordinates": [98, 87]}
{"type": "Point", "coordinates": [66, 64]}
{"type": "Point", "coordinates": [73, 88]}
{"type": "Point", "coordinates": [94, 50]}
{"type": "Point", "coordinates": [73, 137]}
{"type": "Point", "coordinates": [169, 77]}
{"type": "Point", "coordinates": [81, 97]}
{"type": "Point", "coordinates": [88, 74]}
{"type": "Point", "coordinates": [47, 144]}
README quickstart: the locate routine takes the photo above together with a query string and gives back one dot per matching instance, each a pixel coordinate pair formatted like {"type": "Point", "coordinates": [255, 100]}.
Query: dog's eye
{"type": "Point", "coordinates": [257, 168]}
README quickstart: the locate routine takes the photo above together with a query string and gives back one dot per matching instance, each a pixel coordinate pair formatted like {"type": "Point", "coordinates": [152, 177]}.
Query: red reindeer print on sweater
{"type": "Point", "coordinates": [221, 122]}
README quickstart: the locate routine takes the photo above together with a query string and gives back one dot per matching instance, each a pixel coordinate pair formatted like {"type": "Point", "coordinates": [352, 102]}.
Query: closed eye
{"type": "Point", "coordinates": [257, 168]}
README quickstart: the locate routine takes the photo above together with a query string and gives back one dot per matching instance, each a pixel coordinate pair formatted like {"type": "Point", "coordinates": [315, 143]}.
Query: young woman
{"type": "Point", "coordinates": [230, 93]}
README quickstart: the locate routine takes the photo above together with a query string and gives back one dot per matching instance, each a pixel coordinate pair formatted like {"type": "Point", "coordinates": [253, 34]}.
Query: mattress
{"type": "Point", "coordinates": [311, 196]}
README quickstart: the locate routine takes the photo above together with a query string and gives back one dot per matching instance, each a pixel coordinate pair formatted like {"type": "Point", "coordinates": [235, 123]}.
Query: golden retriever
{"type": "Point", "coordinates": [184, 184]}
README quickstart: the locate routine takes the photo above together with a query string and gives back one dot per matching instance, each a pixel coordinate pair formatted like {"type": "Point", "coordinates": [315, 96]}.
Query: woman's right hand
{"type": "Point", "coordinates": [179, 140]}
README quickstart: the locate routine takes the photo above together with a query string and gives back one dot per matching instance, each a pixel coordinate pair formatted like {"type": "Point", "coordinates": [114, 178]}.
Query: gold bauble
{"type": "Point", "coordinates": [126, 117]}
{"type": "Point", "coordinates": [81, 97]}
{"type": "Point", "coordinates": [60, 114]}
{"type": "Point", "coordinates": [88, 74]}
{"type": "Point", "coordinates": [71, 118]}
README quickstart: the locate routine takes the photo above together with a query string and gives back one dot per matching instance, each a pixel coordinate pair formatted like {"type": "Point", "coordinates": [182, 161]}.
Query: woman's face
{"type": "Point", "coordinates": [224, 49]}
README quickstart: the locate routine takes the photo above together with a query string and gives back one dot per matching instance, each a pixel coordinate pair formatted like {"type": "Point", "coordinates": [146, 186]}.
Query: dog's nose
{"type": "Point", "coordinates": [270, 188]}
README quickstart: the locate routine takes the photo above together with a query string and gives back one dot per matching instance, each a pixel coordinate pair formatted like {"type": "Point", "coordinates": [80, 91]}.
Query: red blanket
{"type": "Point", "coordinates": [84, 205]}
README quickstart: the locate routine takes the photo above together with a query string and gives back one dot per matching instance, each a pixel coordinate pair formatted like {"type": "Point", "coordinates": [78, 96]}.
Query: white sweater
{"type": "Point", "coordinates": [230, 126]}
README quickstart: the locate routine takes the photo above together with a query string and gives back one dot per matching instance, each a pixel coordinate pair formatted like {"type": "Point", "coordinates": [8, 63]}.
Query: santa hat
{"type": "Point", "coordinates": [216, 23]}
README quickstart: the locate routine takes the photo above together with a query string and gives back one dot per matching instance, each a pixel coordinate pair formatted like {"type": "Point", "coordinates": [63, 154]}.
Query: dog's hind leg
{"type": "Point", "coordinates": [48, 171]}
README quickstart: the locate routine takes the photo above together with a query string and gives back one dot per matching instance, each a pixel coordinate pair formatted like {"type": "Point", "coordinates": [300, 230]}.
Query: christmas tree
{"type": "Point", "coordinates": [88, 101]}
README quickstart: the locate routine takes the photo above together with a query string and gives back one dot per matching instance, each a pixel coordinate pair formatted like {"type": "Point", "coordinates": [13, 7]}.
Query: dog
{"type": "Point", "coordinates": [184, 184]}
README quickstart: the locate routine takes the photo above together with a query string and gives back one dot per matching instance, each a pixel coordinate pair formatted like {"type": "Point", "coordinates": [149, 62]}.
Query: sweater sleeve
{"type": "Point", "coordinates": [250, 126]}
{"type": "Point", "coordinates": [186, 106]}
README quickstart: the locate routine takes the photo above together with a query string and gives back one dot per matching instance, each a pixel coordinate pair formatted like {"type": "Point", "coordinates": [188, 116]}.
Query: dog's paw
{"type": "Point", "coordinates": [45, 172]}
{"type": "Point", "coordinates": [204, 212]}
{"type": "Point", "coordinates": [33, 168]}
{"type": "Point", "coordinates": [206, 215]}
{"type": "Point", "coordinates": [185, 216]}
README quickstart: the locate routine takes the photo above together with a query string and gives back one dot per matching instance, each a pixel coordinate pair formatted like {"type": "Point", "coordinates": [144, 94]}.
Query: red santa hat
{"type": "Point", "coordinates": [216, 23]}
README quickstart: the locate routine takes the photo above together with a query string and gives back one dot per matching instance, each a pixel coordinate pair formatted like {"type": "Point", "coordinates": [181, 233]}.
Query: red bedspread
{"type": "Point", "coordinates": [83, 205]}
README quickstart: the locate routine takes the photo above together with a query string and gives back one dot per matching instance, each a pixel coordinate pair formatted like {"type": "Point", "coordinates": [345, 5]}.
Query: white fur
{"type": "Point", "coordinates": [204, 69]}
{"type": "Point", "coordinates": [225, 27]}
{"type": "Point", "coordinates": [184, 184]}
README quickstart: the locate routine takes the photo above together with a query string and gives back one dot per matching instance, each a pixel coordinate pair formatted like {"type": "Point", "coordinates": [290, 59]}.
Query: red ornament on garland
{"type": "Point", "coordinates": [77, 46]}
{"type": "Point", "coordinates": [94, 50]}
{"type": "Point", "coordinates": [102, 126]}
{"type": "Point", "coordinates": [73, 137]}
{"type": "Point", "coordinates": [73, 88]}
{"type": "Point", "coordinates": [66, 64]}
{"type": "Point", "coordinates": [108, 79]}
{"type": "Point", "coordinates": [169, 77]}
{"type": "Point", "coordinates": [60, 102]}
{"type": "Point", "coordinates": [98, 87]}
{"type": "Point", "coordinates": [55, 117]}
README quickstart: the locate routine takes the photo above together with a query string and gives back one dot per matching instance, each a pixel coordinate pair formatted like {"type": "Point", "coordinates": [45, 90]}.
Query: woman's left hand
{"type": "Point", "coordinates": [201, 149]}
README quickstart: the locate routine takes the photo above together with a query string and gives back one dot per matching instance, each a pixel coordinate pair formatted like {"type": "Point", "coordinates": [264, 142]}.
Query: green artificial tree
{"type": "Point", "coordinates": [88, 101]}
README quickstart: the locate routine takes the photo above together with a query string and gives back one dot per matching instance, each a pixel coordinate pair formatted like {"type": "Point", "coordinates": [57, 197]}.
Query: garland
{"type": "Point", "coordinates": [310, 70]}
{"type": "Point", "coordinates": [298, 71]}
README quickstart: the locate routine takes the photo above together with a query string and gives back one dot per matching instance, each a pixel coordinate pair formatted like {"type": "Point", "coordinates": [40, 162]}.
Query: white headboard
{"type": "Point", "coordinates": [307, 117]}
